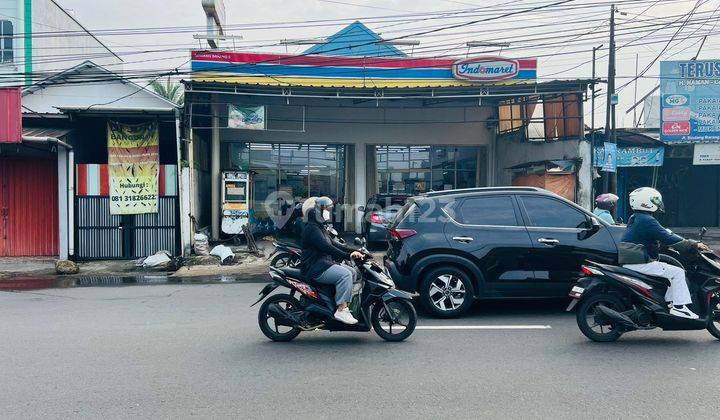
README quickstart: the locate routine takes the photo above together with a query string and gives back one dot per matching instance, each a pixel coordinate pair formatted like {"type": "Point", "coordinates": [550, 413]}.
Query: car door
{"type": "Point", "coordinates": [563, 237]}
{"type": "Point", "coordinates": [490, 229]}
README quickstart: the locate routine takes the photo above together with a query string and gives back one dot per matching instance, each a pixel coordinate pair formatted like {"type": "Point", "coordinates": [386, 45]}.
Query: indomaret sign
{"type": "Point", "coordinates": [133, 164]}
{"type": "Point", "coordinates": [488, 69]}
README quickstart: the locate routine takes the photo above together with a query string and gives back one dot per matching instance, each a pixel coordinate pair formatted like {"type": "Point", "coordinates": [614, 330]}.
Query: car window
{"type": "Point", "coordinates": [547, 212]}
{"type": "Point", "coordinates": [493, 211]}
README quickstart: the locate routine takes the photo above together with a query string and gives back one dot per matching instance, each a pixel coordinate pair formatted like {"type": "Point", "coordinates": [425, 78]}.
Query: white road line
{"type": "Point", "coordinates": [483, 327]}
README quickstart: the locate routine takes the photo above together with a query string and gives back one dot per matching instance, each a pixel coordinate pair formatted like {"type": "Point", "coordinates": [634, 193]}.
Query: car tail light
{"type": "Point", "coordinates": [401, 234]}
{"type": "Point", "coordinates": [375, 218]}
{"type": "Point", "coordinates": [589, 271]}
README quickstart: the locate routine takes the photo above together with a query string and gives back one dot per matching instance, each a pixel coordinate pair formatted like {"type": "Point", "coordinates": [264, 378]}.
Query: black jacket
{"type": "Point", "coordinates": [318, 250]}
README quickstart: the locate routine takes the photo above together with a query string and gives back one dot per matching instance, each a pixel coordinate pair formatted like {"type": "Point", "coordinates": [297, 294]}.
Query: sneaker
{"type": "Point", "coordinates": [345, 316]}
{"type": "Point", "coordinates": [683, 312]}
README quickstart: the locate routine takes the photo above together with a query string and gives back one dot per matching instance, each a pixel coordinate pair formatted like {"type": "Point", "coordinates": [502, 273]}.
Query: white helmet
{"type": "Point", "coordinates": [646, 199]}
{"type": "Point", "coordinates": [307, 205]}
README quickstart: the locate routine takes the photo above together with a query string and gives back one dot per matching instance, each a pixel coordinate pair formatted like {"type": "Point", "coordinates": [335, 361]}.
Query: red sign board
{"type": "Point", "coordinates": [676, 128]}
{"type": "Point", "coordinates": [10, 115]}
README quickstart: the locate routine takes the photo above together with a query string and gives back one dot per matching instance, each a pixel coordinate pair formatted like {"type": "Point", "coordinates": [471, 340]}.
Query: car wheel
{"type": "Point", "coordinates": [446, 292]}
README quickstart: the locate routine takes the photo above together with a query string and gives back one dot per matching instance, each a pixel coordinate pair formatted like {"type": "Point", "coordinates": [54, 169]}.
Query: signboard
{"type": "Point", "coordinates": [610, 157]}
{"type": "Point", "coordinates": [246, 117]}
{"type": "Point", "coordinates": [690, 101]}
{"type": "Point", "coordinates": [486, 69]}
{"type": "Point", "coordinates": [133, 164]}
{"type": "Point", "coordinates": [633, 156]}
{"type": "Point", "coordinates": [706, 154]}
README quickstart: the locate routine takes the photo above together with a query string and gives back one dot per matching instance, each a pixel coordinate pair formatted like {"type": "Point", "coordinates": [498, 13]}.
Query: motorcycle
{"type": "Point", "coordinates": [376, 304]}
{"type": "Point", "coordinates": [287, 254]}
{"type": "Point", "coordinates": [614, 300]}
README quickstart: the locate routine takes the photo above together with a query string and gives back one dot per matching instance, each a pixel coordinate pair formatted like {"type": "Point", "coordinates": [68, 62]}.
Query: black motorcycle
{"type": "Point", "coordinates": [287, 254]}
{"type": "Point", "coordinates": [614, 300]}
{"type": "Point", "coordinates": [375, 303]}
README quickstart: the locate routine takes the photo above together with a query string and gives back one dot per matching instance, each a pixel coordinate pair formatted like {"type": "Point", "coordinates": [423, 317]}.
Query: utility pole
{"type": "Point", "coordinates": [592, 124]}
{"type": "Point", "coordinates": [635, 122]}
{"type": "Point", "coordinates": [610, 132]}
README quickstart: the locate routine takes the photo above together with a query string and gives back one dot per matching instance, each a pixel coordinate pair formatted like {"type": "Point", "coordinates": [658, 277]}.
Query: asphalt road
{"type": "Point", "coordinates": [177, 351]}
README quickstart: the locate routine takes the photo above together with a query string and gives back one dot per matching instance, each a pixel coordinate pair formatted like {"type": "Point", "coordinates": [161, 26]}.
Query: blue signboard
{"type": "Point", "coordinates": [690, 101]}
{"type": "Point", "coordinates": [633, 156]}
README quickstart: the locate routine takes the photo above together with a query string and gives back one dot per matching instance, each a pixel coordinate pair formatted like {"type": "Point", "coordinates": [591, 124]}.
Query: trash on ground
{"type": "Point", "coordinates": [66, 267]}
{"type": "Point", "coordinates": [161, 260]}
{"type": "Point", "coordinates": [223, 252]}
{"type": "Point", "coordinates": [202, 244]}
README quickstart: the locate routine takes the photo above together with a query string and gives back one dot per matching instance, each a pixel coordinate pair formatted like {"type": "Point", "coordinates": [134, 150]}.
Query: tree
{"type": "Point", "coordinates": [173, 92]}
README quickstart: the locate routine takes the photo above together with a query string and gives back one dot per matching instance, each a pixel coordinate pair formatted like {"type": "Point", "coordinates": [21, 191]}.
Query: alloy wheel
{"type": "Point", "coordinates": [447, 292]}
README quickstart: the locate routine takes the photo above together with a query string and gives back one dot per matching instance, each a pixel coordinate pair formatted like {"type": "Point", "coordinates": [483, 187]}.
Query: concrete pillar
{"type": "Point", "coordinates": [360, 182]}
{"type": "Point", "coordinates": [215, 171]}
{"type": "Point", "coordinates": [584, 198]}
{"type": "Point", "coordinates": [62, 185]}
{"type": "Point", "coordinates": [183, 183]}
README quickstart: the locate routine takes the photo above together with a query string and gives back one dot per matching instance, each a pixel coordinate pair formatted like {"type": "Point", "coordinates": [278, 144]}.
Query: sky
{"type": "Point", "coordinates": [561, 39]}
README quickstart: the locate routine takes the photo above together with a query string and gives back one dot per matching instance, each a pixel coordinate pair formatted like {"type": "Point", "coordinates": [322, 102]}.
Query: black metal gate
{"type": "Point", "coordinates": [101, 235]}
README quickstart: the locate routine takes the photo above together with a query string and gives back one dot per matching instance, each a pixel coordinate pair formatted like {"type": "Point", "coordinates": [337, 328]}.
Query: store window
{"type": "Point", "coordinates": [299, 170]}
{"type": "Point", "coordinates": [6, 41]}
{"type": "Point", "coordinates": [419, 169]}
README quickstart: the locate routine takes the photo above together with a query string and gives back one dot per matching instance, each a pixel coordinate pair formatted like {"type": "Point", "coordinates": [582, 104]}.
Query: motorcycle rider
{"type": "Point", "coordinates": [318, 254]}
{"type": "Point", "coordinates": [644, 229]}
{"type": "Point", "coordinates": [605, 206]}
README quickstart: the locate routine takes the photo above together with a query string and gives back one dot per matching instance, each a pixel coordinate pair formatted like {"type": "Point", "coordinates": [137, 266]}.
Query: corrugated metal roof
{"type": "Point", "coordinates": [45, 132]}
{"type": "Point", "coordinates": [336, 83]}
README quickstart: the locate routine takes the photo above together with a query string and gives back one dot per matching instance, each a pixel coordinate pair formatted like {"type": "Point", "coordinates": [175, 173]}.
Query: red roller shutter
{"type": "Point", "coordinates": [28, 207]}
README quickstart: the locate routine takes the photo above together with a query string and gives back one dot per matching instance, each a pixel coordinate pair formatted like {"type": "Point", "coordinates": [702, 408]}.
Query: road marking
{"type": "Point", "coordinates": [483, 327]}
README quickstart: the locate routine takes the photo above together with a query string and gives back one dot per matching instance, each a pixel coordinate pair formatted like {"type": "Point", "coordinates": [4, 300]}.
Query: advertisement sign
{"type": "Point", "coordinates": [133, 165]}
{"type": "Point", "coordinates": [246, 117]}
{"type": "Point", "coordinates": [690, 101]}
{"type": "Point", "coordinates": [706, 154]}
{"type": "Point", "coordinates": [609, 163]}
{"type": "Point", "coordinates": [485, 69]}
{"type": "Point", "coordinates": [633, 156]}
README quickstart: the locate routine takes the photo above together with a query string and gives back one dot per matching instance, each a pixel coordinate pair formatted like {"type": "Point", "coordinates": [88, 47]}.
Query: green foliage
{"type": "Point", "coordinates": [173, 92]}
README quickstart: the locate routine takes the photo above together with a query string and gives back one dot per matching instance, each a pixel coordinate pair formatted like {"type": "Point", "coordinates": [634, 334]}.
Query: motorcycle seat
{"type": "Point", "coordinates": [292, 272]}
{"type": "Point", "coordinates": [655, 281]}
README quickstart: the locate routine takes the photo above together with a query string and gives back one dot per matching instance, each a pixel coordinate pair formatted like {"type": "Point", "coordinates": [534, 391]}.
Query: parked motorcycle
{"type": "Point", "coordinates": [614, 300]}
{"type": "Point", "coordinates": [375, 303]}
{"type": "Point", "coordinates": [287, 254]}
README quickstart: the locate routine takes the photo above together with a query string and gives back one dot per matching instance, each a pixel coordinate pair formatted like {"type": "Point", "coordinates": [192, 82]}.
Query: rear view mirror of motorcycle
{"type": "Point", "coordinates": [703, 231]}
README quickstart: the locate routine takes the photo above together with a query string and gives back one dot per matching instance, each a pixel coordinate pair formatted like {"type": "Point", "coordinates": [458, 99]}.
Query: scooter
{"type": "Point", "coordinates": [376, 304]}
{"type": "Point", "coordinates": [287, 254]}
{"type": "Point", "coordinates": [614, 300]}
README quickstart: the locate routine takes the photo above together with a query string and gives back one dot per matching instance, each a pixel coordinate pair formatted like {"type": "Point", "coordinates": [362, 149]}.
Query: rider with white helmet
{"type": "Point", "coordinates": [644, 229]}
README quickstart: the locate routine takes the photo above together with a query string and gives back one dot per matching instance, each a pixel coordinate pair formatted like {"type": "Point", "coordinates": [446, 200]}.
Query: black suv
{"type": "Point", "coordinates": [493, 243]}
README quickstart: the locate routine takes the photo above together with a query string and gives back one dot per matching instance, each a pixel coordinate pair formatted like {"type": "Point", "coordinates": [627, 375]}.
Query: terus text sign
{"type": "Point", "coordinates": [133, 164]}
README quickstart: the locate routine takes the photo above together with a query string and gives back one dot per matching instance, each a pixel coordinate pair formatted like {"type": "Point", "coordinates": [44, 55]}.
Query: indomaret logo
{"type": "Point", "coordinates": [485, 69]}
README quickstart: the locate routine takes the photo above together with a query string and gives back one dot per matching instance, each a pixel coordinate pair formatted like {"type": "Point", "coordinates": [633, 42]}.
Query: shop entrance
{"type": "Point", "coordinates": [286, 174]}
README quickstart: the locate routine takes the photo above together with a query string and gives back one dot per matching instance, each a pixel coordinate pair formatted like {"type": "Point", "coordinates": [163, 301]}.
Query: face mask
{"type": "Point", "coordinates": [326, 215]}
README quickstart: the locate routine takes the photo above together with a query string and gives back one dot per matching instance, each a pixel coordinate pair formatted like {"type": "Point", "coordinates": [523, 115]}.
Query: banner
{"type": "Point", "coordinates": [690, 101]}
{"type": "Point", "coordinates": [246, 117]}
{"type": "Point", "coordinates": [706, 154]}
{"type": "Point", "coordinates": [633, 156]}
{"type": "Point", "coordinates": [133, 164]}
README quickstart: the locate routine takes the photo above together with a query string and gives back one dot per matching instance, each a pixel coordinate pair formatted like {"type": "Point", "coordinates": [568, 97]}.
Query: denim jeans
{"type": "Point", "coordinates": [342, 278]}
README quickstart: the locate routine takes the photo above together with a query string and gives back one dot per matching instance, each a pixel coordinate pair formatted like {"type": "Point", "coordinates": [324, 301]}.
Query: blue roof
{"type": "Point", "coordinates": [355, 40]}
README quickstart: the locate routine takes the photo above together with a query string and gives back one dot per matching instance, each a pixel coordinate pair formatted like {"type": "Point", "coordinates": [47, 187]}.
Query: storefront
{"type": "Point", "coordinates": [350, 127]}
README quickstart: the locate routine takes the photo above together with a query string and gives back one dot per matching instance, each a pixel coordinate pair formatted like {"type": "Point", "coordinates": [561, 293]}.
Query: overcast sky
{"type": "Point", "coordinates": [188, 14]}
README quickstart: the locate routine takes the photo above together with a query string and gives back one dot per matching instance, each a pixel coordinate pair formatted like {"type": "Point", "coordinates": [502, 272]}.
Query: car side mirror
{"type": "Point", "coordinates": [358, 241]}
